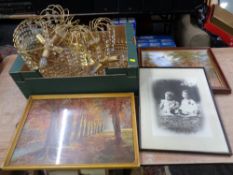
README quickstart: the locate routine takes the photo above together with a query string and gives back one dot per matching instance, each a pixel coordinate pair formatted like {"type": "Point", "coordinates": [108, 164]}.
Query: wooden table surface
{"type": "Point", "coordinates": [12, 104]}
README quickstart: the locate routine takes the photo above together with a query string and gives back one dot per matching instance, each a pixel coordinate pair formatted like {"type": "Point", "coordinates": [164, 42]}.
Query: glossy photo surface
{"type": "Point", "coordinates": [77, 131]}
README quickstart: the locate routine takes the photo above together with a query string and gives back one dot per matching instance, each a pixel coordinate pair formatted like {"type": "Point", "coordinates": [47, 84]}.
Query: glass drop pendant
{"type": "Point", "coordinates": [43, 62]}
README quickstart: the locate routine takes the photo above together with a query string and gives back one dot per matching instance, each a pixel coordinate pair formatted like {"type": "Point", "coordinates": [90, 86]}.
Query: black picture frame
{"type": "Point", "coordinates": [157, 137]}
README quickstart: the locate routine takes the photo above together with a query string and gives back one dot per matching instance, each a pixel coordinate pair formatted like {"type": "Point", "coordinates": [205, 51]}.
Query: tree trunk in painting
{"type": "Point", "coordinates": [77, 128]}
{"type": "Point", "coordinates": [51, 139]}
{"type": "Point", "coordinates": [117, 128]}
{"type": "Point", "coordinates": [68, 130]}
{"type": "Point", "coordinates": [116, 122]}
{"type": "Point", "coordinates": [80, 127]}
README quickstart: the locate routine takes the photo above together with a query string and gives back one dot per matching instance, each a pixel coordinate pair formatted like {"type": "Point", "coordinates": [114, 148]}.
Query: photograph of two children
{"type": "Point", "coordinates": [178, 112]}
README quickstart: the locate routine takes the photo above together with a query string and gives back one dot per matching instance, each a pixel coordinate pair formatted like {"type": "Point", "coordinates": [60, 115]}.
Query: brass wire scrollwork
{"type": "Point", "coordinates": [59, 46]}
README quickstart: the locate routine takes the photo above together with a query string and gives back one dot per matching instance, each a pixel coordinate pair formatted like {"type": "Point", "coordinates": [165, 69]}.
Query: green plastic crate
{"type": "Point", "coordinates": [115, 80]}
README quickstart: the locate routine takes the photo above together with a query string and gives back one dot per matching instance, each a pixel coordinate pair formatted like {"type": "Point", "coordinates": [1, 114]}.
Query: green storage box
{"type": "Point", "coordinates": [115, 80]}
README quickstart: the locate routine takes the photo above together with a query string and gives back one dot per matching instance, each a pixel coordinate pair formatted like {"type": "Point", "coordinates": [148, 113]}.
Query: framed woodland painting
{"type": "Point", "coordinates": [184, 57]}
{"type": "Point", "coordinates": [178, 112]}
{"type": "Point", "coordinates": [76, 131]}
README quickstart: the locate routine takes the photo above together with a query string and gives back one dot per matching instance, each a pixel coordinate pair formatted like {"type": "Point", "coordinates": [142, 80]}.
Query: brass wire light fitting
{"type": "Point", "coordinates": [58, 46]}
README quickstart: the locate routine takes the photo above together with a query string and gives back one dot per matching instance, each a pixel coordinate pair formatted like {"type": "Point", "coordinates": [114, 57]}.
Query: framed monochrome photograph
{"type": "Point", "coordinates": [76, 131]}
{"type": "Point", "coordinates": [178, 112]}
{"type": "Point", "coordinates": [184, 57]}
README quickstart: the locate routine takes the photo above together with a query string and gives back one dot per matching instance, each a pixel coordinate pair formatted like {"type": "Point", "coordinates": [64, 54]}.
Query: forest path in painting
{"type": "Point", "coordinates": [77, 131]}
{"type": "Point", "coordinates": [99, 148]}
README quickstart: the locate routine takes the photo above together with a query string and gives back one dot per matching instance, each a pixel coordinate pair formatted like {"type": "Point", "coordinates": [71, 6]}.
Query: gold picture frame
{"type": "Point", "coordinates": [98, 143]}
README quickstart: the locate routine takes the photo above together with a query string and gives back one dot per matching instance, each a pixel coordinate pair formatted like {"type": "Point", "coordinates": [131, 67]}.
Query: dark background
{"type": "Point", "coordinates": [101, 6]}
{"type": "Point", "coordinates": [161, 86]}
{"type": "Point", "coordinates": [142, 10]}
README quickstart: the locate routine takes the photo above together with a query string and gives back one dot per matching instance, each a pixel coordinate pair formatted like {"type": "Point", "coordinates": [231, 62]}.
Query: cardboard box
{"type": "Point", "coordinates": [223, 19]}
{"type": "Point", "coordinates": [216, 30]}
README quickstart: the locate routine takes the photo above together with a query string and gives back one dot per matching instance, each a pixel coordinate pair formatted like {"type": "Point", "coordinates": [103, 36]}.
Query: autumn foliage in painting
{"type": "Point", "coordinates": [184, 58]}
{"type": "Point", "coordinates": [85, 130]}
